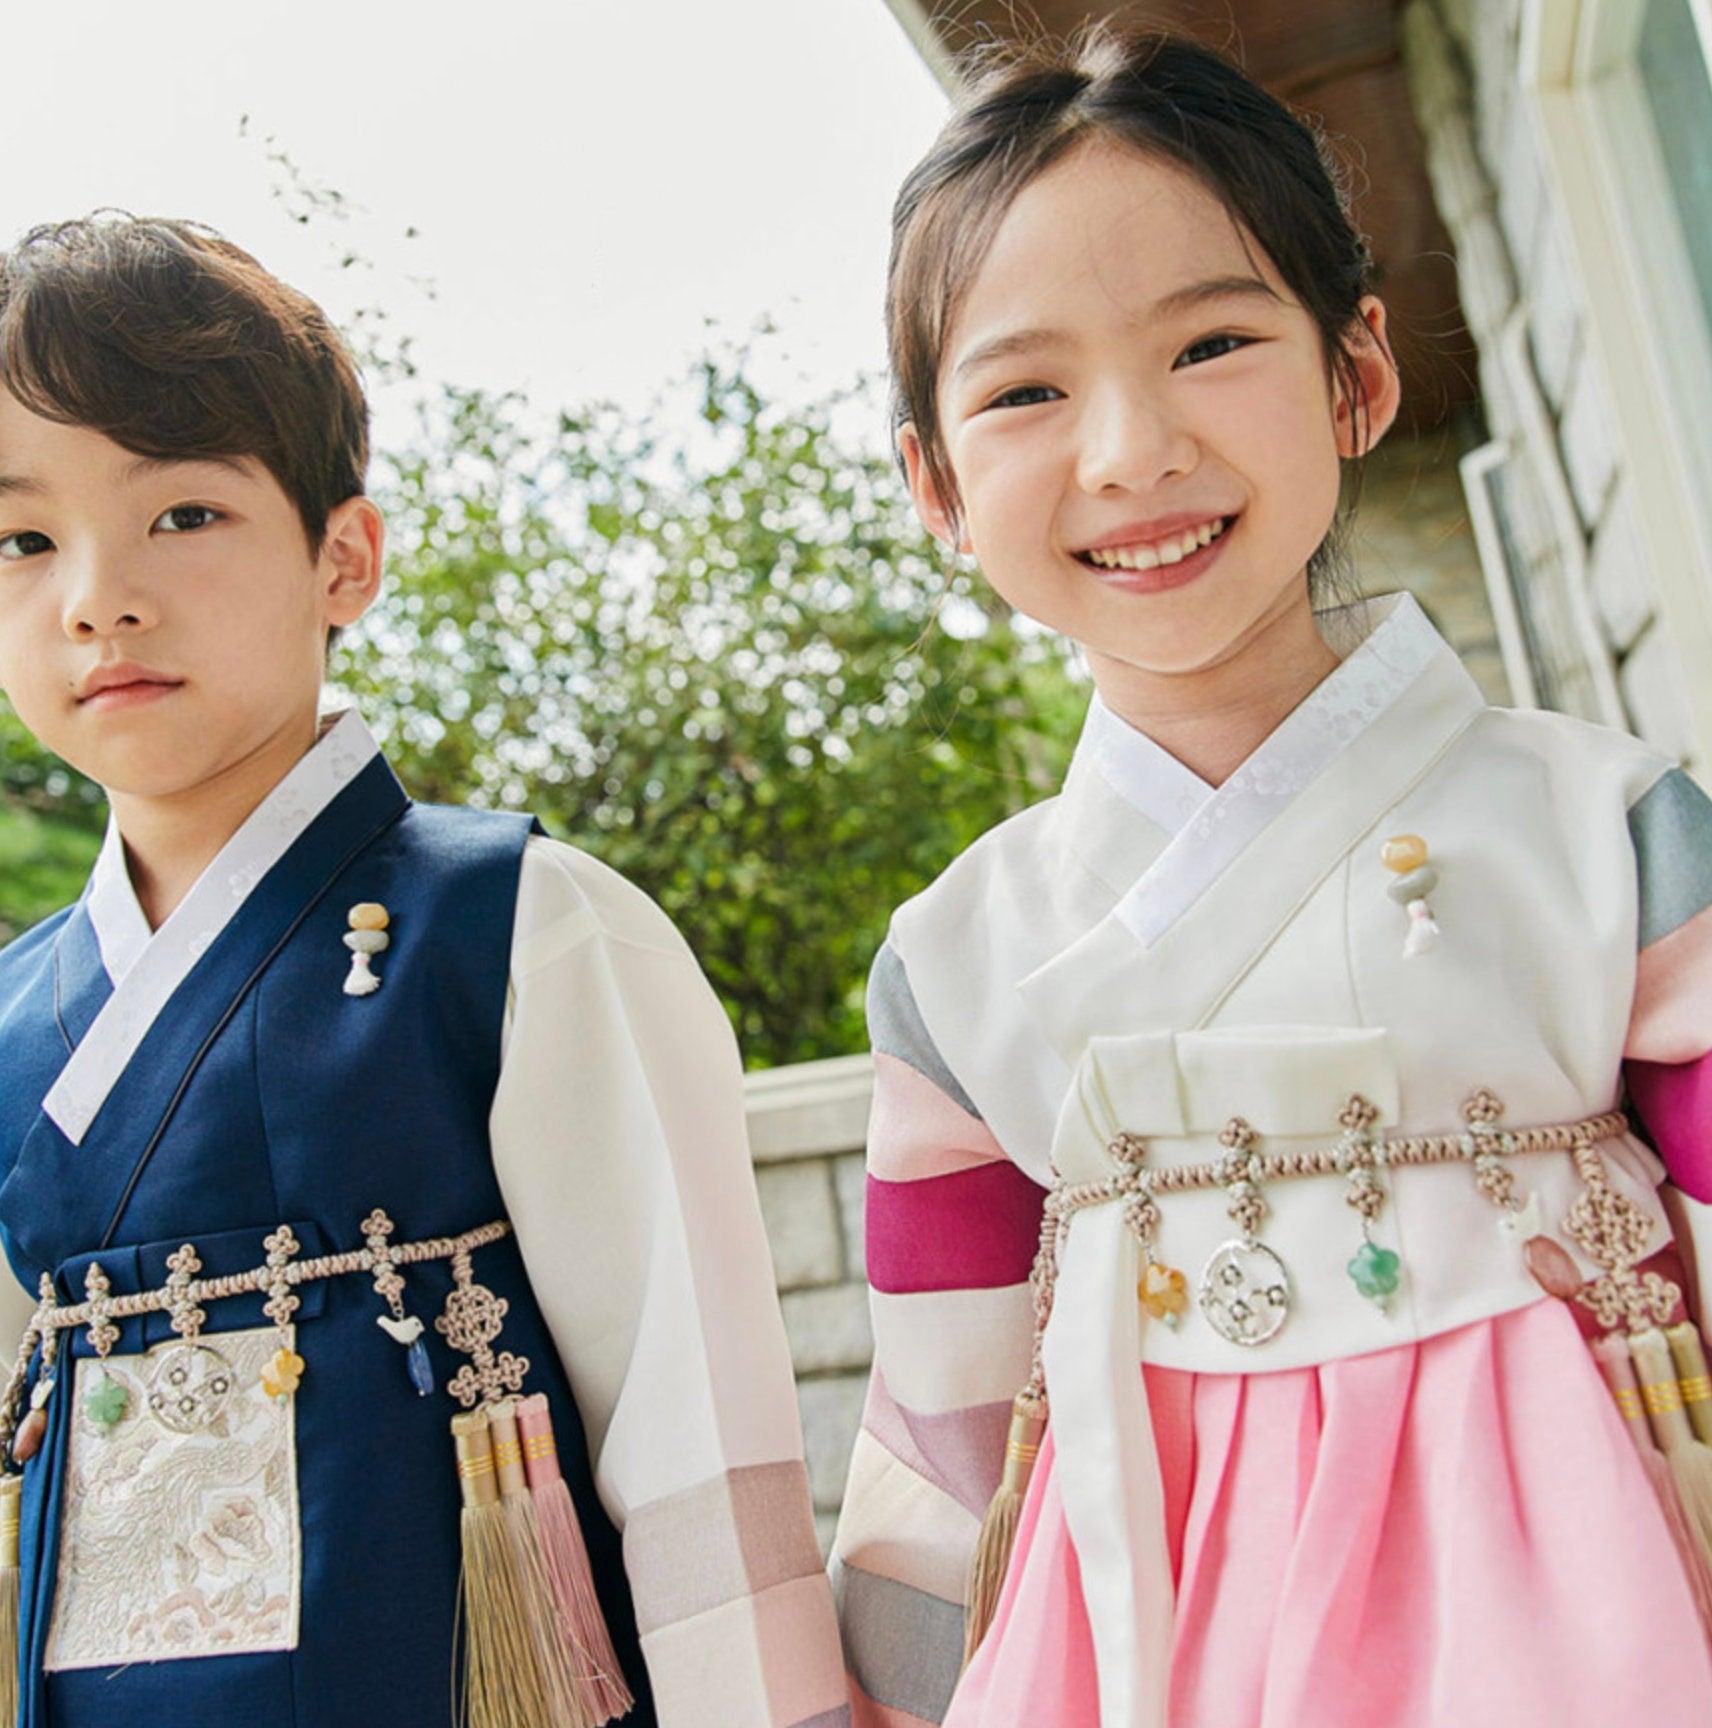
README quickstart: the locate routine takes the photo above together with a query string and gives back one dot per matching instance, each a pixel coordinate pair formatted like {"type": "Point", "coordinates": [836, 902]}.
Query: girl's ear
{"type": "Point", "coordinates": [1360, 425]}
{"type": "Point", "coordinates": [936, 515]}
{"type": "Point", "coordinates": [352, 554]}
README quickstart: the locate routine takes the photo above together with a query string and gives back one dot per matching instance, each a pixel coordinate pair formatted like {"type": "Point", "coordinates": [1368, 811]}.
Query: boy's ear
{"type": "Point", "coordinates": [352, 553]}
{"type": "Point", "coordinates": [1360, 428]}
{"type": "Point", "coordinates": [936, 515]}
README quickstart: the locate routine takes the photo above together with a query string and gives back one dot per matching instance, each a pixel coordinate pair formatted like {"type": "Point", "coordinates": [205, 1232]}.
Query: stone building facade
{"type": "Point", "coordinates": [1569, 145]}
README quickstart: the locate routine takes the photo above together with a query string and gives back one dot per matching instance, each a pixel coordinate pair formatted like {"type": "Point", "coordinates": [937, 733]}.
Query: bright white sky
{"type": "Point", "coordinates": [591, 179]}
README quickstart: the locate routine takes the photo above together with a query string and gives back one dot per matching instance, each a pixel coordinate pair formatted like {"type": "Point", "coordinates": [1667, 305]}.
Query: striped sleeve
{"type": "Point", "coordinates": [951, 1229]}
{"type": "Point", "coordinates": [1669, 1067]}
{"type": "Point", "coordinates": [619, 1141]}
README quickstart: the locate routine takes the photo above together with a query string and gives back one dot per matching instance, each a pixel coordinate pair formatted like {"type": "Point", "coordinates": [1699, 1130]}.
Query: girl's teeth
{"type": "Point", "coordinates": [1164, 552]}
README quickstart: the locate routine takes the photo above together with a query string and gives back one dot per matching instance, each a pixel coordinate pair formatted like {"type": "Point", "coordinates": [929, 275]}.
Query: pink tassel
{"type": "Point", "coordinates": [602, 1679]}
{"type": "Point", "coordinates": [1612, 1354]}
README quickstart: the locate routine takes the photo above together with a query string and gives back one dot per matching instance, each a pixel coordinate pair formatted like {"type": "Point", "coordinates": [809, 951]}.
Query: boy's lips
{"type": "Point", "coordinates": [124, 684]}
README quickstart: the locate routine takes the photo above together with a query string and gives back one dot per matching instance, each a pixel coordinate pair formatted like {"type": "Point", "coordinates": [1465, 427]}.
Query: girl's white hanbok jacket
{"type": "Point", "coordinates": [1143, 953]}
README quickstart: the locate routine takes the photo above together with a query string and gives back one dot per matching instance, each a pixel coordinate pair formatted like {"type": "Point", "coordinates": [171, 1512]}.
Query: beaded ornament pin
{"type": "Point", "coordinates": [366, 937]}
{"type": "Point", "coordinates": [1413, 879]}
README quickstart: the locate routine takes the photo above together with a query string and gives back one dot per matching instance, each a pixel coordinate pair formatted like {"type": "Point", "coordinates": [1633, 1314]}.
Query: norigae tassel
{"type": "Point", "coordinates": [502, 1668]}
{"type": "Point", "coordinates": [1689, 1355]}
{"type": "Point", "coordinates": [1615, 1363]}
{"type": "Point", "coordinates": [999, 1527]}
{"type": "Point", "coordinates": [600, 1679]}
{"type": "Point", "coordinates": [1690, 1460]}
{"type": "Point", "coordinates": [561, 1685]}
{"type": "Point", "coordinates": [11, 1488]}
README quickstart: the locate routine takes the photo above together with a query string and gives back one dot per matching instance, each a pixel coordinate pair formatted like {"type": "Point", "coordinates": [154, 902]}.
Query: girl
{"type": "Point", "coordinates": [1291, 1030]}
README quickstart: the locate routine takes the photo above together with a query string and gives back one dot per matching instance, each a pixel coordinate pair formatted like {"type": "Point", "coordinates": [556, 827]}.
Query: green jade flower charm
{"type": "Point", "coordinates": [105, 1402]}
{"type": "Point", "coordinates": [1376, 1273]}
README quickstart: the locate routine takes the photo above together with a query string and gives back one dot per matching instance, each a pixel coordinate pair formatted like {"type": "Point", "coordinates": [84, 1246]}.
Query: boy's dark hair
{"type": "Point", "coordinates": [175, 343]}
{"type": "Point", "coordinates": [1026, 105]}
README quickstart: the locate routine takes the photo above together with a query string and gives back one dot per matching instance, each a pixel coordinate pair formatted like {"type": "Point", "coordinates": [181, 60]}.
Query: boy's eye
{"type": "Point", "coordinates": [185, 518]}
{"type": "Point", "coordinates": [28, 544]}
{"type": "Point", "coordinates": [1210, 348]}
{"type": "Point", "coordinates": [1024, 396]}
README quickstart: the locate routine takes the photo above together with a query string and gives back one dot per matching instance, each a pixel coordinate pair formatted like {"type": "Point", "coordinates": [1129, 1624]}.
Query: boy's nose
{"type": "Point", "coordinates": [101, 601]}
{"type": "Point", "coordinates": [1128, 443]}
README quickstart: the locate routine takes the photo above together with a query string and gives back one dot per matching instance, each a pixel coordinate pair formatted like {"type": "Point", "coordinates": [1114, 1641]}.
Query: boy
{"type": "Point", "coordinates": [290, 997]}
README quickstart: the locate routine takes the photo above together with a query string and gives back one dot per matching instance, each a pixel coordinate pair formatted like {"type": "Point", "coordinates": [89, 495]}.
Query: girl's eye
{"type": "Point", "coordinates": [185, 518]}
{"type": "Point", "coordinates": [1024, 396]}
{"type": "Point", "coordinates": [28, 544]}
{"type": "Point", "coordinates": [1210, 348]}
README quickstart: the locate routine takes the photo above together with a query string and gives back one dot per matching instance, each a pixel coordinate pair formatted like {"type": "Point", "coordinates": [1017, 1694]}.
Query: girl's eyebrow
{"type": "Point", "coordinates": [21, 485]}
{"type": "Point", "coordinates": [1178, 301]}
{"type": "Point", "coordinates": [1195, 294]}
{"type": "Point", "coordinates": [1005, 347]}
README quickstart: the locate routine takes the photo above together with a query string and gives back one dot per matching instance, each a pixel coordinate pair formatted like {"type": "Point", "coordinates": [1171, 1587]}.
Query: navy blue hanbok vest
{"type": "Point", "coordinates": [263, 1095]}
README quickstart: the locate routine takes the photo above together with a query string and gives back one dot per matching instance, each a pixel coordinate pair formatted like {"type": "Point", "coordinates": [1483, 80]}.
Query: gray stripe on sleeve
{"type": "Point", "coordinates": [896, 1028]}
{"type": "Point", "coordinates": [1671, 826]}
{"type": "Point", "coordinates": [904, 1647]}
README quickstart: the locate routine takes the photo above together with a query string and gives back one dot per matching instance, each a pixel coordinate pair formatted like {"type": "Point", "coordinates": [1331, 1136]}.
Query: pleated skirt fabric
{"type": "Point", "coordinates": [1452, 1532]}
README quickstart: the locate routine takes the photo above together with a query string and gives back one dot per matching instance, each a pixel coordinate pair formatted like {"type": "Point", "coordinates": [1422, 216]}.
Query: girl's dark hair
{"type": "Point", "coordinates": [1026, 106]}
{"type": "Point", "coordinates": [175, 343]}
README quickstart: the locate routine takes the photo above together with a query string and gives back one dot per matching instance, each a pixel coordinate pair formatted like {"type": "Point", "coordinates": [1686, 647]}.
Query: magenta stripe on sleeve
{"type": "Point", "coordinates": [1674, 1100]}
{"type": "Point", "coordinates": [972, 1230]}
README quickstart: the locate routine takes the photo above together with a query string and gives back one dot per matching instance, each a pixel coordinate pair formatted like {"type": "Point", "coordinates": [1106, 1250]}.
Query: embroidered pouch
{"type": "Point", "coordinates": [180, 1534]}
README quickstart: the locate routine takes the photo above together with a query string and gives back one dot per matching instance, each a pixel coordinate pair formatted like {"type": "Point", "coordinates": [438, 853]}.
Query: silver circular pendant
{"type": "Point", "coordinates": [1245, 1292]}
{"type": "Point", "coordinates": [189, 1387]}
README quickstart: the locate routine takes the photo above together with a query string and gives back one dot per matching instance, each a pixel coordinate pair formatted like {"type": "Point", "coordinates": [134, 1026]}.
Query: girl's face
{"type": "Point", "coordinates": [1140, 418]}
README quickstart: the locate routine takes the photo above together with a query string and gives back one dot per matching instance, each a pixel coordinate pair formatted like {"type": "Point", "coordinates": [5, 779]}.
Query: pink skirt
{"type": "Point", "coordinates": [1451, 1532]}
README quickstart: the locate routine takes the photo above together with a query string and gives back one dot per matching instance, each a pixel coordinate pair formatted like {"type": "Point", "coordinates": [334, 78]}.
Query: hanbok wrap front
{"type": "Point", "coordinates": [293, 1562]}
{"type": "Point", "coordinates": [1304, 1468]}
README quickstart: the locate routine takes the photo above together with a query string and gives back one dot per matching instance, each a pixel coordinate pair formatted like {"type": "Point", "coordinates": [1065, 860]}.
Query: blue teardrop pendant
{"type": "Point", "coordinates": [421, 1370]}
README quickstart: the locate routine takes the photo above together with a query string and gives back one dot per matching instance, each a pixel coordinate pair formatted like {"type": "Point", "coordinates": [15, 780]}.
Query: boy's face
{"type": "Point", "coordinates": [164, 623]}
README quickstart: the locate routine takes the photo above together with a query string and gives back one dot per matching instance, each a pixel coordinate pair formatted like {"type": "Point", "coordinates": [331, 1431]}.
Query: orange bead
{"type": "Point", "coordinates": [1403, 853]}
{"type": "Point", "coordinates": [1164, 1292]}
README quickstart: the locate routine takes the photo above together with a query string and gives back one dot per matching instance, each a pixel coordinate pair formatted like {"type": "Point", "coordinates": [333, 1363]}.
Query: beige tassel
{"type": "Point", "coordinates": [567, 1705]}
{"type": "Point", "coordinates": [11, 1491]}
{"type": "Point", "coordinates": [604, 1695]}
{"type": "Point", "coordinates": [993, 1546]}
{"type": "Point", "coordinates": [1689, 1355]}
{"type": "Point", "coordinates": [1615, 1363]}
{"type": "Point", "coordinates": [1690, 1460]}
{"type": "Point", "coordinates": [502, 1669]}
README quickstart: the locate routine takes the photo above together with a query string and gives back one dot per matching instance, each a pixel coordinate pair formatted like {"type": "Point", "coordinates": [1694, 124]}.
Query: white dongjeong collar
{"type": "Point", "coordinates": [1383, 643]}
{"type": "Point", "coordinates": [147, 968]}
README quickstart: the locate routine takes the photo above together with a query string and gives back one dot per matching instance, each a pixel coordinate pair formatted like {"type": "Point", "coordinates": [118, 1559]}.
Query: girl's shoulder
{"type": "Point", "coordinates": [1587, 762]}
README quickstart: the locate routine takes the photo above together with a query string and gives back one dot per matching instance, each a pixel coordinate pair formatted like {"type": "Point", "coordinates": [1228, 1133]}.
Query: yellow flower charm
{"type": "Point", "coordinates": [282, 1373]}
{"type": "Point", "coordinates": [1164, 1293]}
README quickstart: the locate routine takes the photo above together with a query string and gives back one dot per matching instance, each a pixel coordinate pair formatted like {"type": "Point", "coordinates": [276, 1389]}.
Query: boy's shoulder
{"type": "Point", "coordinates": [563, 890]}
{"type": "Point", "coordinates": [28, 959]}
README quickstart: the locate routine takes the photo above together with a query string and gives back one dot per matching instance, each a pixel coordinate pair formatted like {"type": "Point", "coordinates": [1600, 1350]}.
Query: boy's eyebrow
{"type": "Point", "coordinates": [20, 486]}
{"type": "Point", "coordinates": [145, 465]}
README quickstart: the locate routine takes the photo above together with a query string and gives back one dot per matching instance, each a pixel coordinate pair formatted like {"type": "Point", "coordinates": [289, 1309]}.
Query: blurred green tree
{"type": "Point", "coordinates": [712, 648]}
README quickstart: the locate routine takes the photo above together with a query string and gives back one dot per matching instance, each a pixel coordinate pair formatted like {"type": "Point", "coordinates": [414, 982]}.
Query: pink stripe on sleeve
{"type": "Point", "coordinates": [1675, 1102]}
{"type": "Point", "coordinates": [975, 1230]}
{"type": "Point", "coordinates": [914, 1130]}
{"type": "Point", "coordinates": [1672, 1016]}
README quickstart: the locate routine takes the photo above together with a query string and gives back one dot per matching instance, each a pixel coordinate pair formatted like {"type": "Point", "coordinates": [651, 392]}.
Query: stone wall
{"type": "Point", "coordinates": [1592, 615]}
{"type": "Point", "coordinates": [806, 1128]}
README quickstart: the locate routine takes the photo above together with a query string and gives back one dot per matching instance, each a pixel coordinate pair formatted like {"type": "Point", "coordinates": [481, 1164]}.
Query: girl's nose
{"type": "Point", "coordinates": [1129, 443]}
